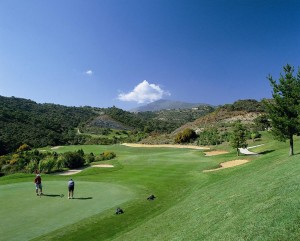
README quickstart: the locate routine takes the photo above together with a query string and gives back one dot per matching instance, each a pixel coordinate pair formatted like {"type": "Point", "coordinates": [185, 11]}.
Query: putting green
{"type": "Point", "coordinates": [25, 216]}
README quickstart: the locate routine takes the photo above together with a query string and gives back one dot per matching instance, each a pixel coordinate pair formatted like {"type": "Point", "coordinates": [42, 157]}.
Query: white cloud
{"type": "Point", "coordinates": [144, 93]}
{"type": "Point", "coordinates": [89, 72]}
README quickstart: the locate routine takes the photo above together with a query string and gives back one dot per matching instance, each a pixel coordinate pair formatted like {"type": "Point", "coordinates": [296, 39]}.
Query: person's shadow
{"type": "Point", "coordinates": [82, 198]}
{"type": "Point", "coordinates": [53, 195]}
{"type": "Point", "coordinates": [62, 195]}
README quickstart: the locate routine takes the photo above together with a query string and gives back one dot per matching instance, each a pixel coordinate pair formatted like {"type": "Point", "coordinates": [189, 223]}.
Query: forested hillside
{"type": "Point", "coordinates": [216, 125]}
{"type": "Point", "coordinates": [25, 121]}
{"type": "Point", "coordinates": [246, 111]}
{"type": "Point", "coordinates": [164, 121]}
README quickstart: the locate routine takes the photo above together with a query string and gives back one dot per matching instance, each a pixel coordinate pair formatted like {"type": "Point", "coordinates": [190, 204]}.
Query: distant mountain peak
{"type": "Point", "coordinates": [166, 105]}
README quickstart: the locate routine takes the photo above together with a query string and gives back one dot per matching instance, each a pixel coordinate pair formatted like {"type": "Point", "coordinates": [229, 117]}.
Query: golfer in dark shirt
{"type": "Point", "coordinates": [71, 185]}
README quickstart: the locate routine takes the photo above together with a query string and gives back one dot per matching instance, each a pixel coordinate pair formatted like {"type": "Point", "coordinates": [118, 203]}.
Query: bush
{"type": "Point", "coordinates": [47, 165]}
{"type": "Point", "coordinates": [100, 141]}
{"type": "Point", "coordinates": [209, 136]}
{"type": "Point", "coordinates": [73, 159]}
{"type": "Point", "coordinates": [32, 166]}
{"type": "Point", "coordinates": [186, 136]}
{"type": "Point", "coordinates": [107, 155]}
{"type": "Point", "coordinates": [90, 158]}
{"type": "Point", "coordinates": [60, 163]}
{"type": "Point", "coordinates": [24, 147]}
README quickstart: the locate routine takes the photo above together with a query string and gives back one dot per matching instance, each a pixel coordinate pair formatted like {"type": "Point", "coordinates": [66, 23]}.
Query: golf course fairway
{"type": "Point", "coordinates": [256, 200]}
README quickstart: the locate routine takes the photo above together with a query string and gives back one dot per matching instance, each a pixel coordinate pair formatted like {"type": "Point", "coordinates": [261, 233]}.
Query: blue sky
{"type": "Point", "coordinates": [131, 52]}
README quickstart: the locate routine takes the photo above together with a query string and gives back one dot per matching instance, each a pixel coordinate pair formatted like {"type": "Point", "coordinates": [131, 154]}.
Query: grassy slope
{"type": "Point", "coordinates": [255, 201]}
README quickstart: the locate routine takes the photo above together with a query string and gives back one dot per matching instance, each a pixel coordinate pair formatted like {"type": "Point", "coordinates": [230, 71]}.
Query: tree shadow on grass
{"type": "Point", "coordinates": [265, 152]}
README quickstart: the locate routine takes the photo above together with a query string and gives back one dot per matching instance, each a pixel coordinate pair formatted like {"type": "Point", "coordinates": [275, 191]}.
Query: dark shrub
{"type": "Point", "coordinates": [73, 159]}
{"type": "Point", "coordinates": [107, 155]}
{"type": "Point", "coordinates": [90, 158]}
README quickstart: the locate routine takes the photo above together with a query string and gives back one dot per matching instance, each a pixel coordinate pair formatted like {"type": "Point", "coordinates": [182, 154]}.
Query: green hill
{"type": "Point", "coordinates": [258, 200]}
{"type": "Point", "coordinates": [250, 112]}
{"type": "Point", "coordinates": [25, 121]}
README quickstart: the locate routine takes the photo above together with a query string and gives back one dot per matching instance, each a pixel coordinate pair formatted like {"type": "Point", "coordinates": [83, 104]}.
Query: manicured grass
{"type": "Point", "coordinates": [28, 216]}
{"type": "Point", "coordinates": [258, 200]}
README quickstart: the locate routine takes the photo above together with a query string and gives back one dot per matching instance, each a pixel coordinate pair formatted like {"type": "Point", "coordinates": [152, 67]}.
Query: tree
{"type": "Point", "coordinates": [185, 136]}
{"type": "Point", "coordinates": [80, 152]}
{"type": "Point", "coordinates": [24, 147]}
{"type": "Point", "coordinates": [283, 109]}
{"type": "Point", "coordinates": [254, 134]}
{"type": "Point", "coordinates": [209, 136]}
{"type": "Point", "coordinates": [238, 136]}
{"type": "Point", "coordinates": [262, 123]}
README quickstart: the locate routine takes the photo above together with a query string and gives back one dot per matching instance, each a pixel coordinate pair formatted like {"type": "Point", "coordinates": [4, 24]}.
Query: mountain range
{"type": "Point", "coordinates": [167, 105]}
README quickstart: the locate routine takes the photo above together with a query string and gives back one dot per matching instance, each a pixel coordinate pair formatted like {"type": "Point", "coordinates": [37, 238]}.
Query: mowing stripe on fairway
{"type": "Point", "coordinates": [25, 216]}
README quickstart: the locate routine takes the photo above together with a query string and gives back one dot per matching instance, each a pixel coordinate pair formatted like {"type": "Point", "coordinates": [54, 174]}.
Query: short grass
{"type": "Point", "coordinates": [33, 215]}
{"type": "Point", "coordinates": [258, 200]}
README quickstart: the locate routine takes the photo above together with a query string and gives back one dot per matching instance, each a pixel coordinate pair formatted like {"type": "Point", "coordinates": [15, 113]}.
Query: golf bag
{"type": "Point", "coordinates": [151, 197]}
{"type": "Point", "coordinates": [119, 211]}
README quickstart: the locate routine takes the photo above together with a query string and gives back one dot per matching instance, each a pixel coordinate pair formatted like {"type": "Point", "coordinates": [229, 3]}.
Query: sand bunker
{"type": "Point", "coordinates": [214, 153]}
{"type": "Point", "coordinates": [233, 163]}
{"type": "Point", "coordinates": [102, 165]}
{"type": "Point", "coordinates": [75, 171]}
{"type": "Point", "coordinates": [228, 164]}
{"type": "Point", "coordinates": [166, 145]}
{"type": "Point", "coordinates": [70, 172]}
{"type": "Point", "coordinates": [55, 147]}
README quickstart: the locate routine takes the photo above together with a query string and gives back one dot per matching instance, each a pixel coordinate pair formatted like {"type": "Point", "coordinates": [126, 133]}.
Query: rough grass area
{"type": "Point", "coordinates": [258, 200]}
